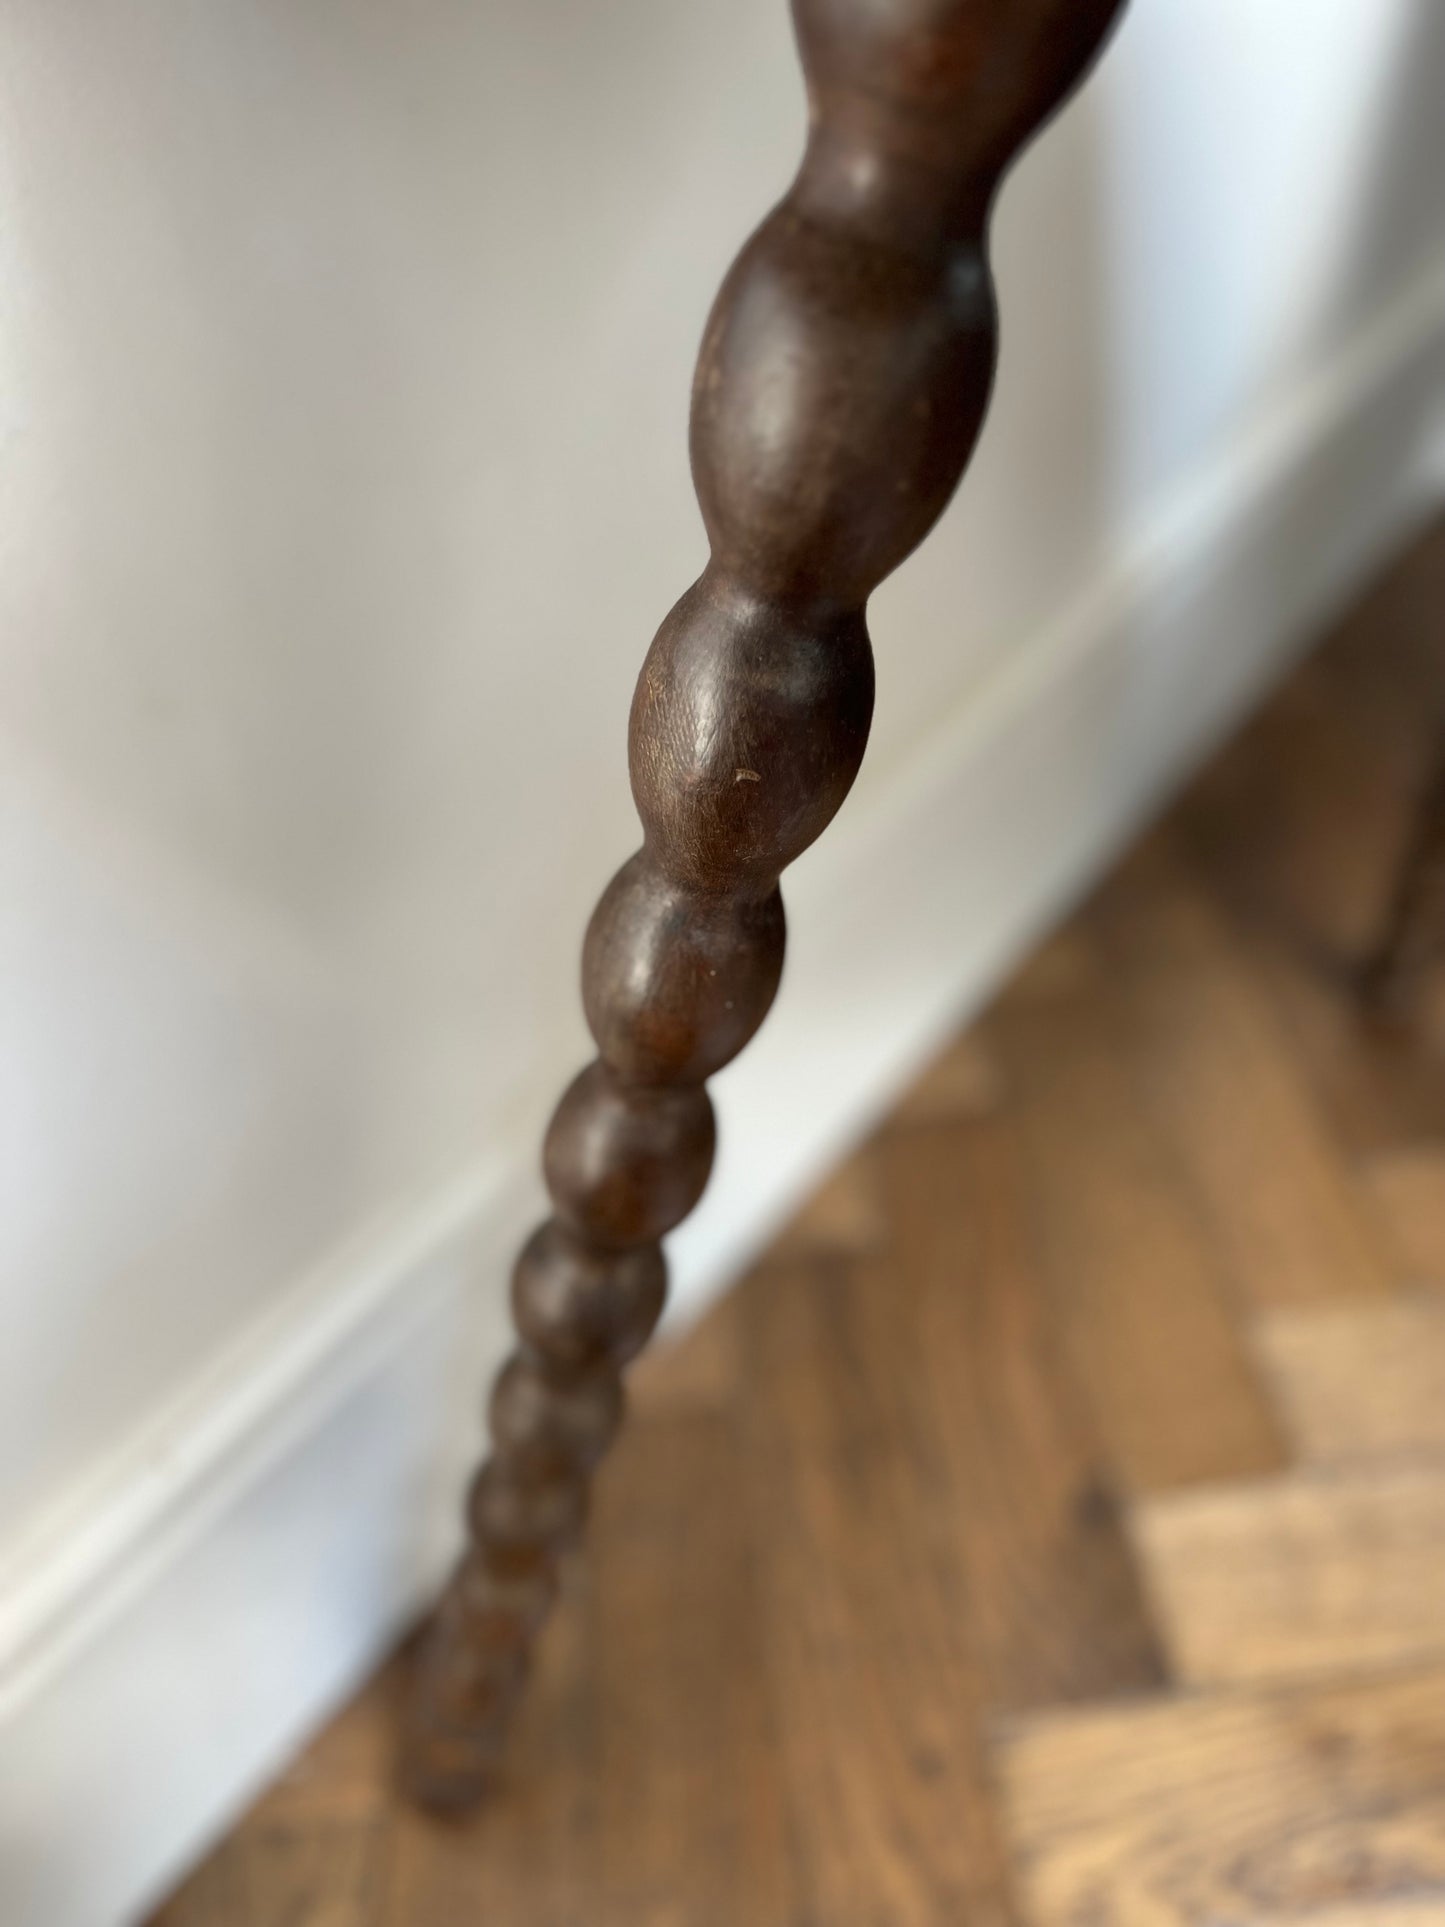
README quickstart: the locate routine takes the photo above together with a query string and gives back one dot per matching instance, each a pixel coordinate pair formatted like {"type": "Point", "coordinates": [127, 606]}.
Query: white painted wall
{"type": "Point", "coordinates": [344, 354]}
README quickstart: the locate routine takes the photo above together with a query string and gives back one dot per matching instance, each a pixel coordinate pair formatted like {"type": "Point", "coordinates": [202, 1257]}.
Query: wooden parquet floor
{"type": "Point", "coordinates": [1051, 1529]}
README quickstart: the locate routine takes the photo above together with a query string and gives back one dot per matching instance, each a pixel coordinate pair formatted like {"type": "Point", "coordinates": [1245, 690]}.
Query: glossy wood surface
{"type": "Point", "coordinates": [939, 1575]}
{"type": "Point", "coordinates": [840, 388]}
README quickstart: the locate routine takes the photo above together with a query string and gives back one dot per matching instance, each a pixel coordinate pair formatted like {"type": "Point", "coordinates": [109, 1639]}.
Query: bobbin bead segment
{"type": "Point", "coordinates": [963, 83]}
{"type": "Point", "coordinates": [675, 980]}
{"type": "Point", "coordinates": [521, 1518]}
{"type": "Point", "coordinates": [546, 1420]}
{"type": "Point", "coordinates": [626, 1162]}
{"type": "Point", "coordinates": [748, 728]}
{"type": "Point", "coordinates": [472, 1689]}
{"type": "Point", "coordinates": [578, 1304]}
{"type": "Point", "coordinates": [823, 448]}
{"type": "Point", "coordinates": [503, 1609]}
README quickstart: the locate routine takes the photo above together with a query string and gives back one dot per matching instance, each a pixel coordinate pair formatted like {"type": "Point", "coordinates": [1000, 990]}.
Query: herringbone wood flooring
{"type": "Point", "coordinates": [1051, 1529]}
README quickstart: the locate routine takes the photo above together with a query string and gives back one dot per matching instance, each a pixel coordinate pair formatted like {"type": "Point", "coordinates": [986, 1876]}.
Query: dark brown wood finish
{"type": "Point", "coordinates": [840, 389]}
{"type": "Point", "coordinates": [858, 1642]}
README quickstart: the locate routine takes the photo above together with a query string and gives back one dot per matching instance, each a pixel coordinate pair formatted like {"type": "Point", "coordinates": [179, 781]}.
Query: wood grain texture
{"type": "Point", "coordinates": [689, 1813]}
{"type": "Point", "coordinates": [696, 1370]}
{"type": "Point", "coordinates": [965, 1080]}
{"type": "Point", "coordinates": [1226, 1093]}
{"type": "Point", "coordinates": [840, 388]}
{"type": "Point", "coordinates": [934, 1540]}
{"type": "Point", "coordinates": [1265, 1580]}
{"type": "Point", "coordinates": [1411, 1910]}
{"type": "Point", "coordinates": [1055, 1611]}
{"type": "Point", "coordinates": [1407, 1188]}
{"type": "Point", "coordinates": [1379, 1086]}
{"type": "Point", "coordinates": [304, 1871]}
{"type": "Point", "coordinates": [844, 1218]}
{"type": "Point", "coordinates": [862, 1641]}
{"type": "Point", "coordinates": [876, 1692]}
{"type": "Point", "coordinates": [1240, 1807]}
{"type": "Point", "coordinates": [1359, 1382]}
{"type": "Point", "coordinates": [313, 1850]}
{"type": "Point", "coordinates": [1137, 1287]}
{"type": "Point", "coordinates": [1297, 827]}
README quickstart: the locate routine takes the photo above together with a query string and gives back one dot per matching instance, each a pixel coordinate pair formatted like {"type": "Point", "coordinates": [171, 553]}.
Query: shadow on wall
{"type": "Point", "coordinates": [1261, 210]}
{"type": "Point", "coordinates": [1393, 193]}
{"type": "Point", "coordinates": [1036, 508]}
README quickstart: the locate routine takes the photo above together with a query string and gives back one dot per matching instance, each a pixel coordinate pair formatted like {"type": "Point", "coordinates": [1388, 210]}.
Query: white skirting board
{"type": "Point", "coordinates": [234, 1572]}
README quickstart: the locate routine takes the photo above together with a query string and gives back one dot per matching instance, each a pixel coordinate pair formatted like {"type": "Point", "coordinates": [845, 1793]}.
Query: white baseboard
{"type": "Point", "coordinates": [192, 1615]}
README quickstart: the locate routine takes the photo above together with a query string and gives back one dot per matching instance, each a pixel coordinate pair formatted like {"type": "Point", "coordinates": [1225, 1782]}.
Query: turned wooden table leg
{"type": "Point", "coordinates": [839, 392]}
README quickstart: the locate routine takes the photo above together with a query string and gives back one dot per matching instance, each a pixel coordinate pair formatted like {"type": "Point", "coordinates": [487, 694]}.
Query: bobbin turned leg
{"type": "Point", "coordinates": [840, 388]}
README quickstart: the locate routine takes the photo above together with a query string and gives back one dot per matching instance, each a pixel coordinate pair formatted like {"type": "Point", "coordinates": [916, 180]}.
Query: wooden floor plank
{"type": "Point", "coordinates": [1227, 1094]}
{"type": "Point", "coordinates": [862, 1639]}
{"type": "Point", "coordinates": [1387, 650]}
{"type": "Point", "coordinates": [1360, 1381]}
{"type": "Point", "coordinates": [1240, 1808]}
{"type": "Point", "coordinates": [689, 1809]}
{"type": "Point", "coordinates": [843, 1218]}
{"type": "Point", "coordinates": [310, 1852]}
{"type": "Point", "coordinates": [1408, 1188]}
{"type": "Point", "coordinates": [1055, 1612]}
{"type": "Point", "coordinates": [877, 1698]}
{"type": "Point", "coordinates": [696, 1370]}
{"type": "Point", "coordinates": [1135, 1288]}
{"type": "Point", "coordinates": [302, 1871]}
{"type": "Point", "coordinates": [1065, 962]}
{"type": "Point", "coordinates": [1300, 819]}
{"type": "Point", "coordinates": [529, 1857]}
{"type": "Point", "coordinates": [1297, 823]}
{"type": "Point", "coordinates": [1270, 1579]}
{"type": "Point", "coordinates": [964, 1081]}
{"type": "Point", "coordinates": [1379, 1084]}
{"type": "Point", "coordinates": [1409, 1910]}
